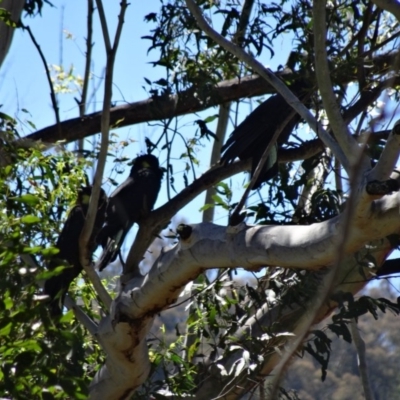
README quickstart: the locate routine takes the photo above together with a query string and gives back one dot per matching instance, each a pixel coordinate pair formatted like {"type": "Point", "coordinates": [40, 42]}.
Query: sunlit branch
{"type": "Point", "coordinates": [105, 127]}
{"type": "Point", "coordinates": [81, 316]}
{"type": "Point", "coordinates": [339, 128]}
{"type": "Point", "coordinates": [159, 218]}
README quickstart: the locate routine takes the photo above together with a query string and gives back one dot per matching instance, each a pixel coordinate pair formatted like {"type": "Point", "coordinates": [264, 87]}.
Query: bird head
{"type": "Point", "coordinates": [85, 192]}
{"type": "Point", "coordinates": [84, 195]}
{"type": "Point", "coordinates": [147, 161]}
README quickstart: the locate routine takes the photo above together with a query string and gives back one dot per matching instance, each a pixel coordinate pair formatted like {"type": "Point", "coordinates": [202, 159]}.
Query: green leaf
{"type": "Point", "coordinates": [5, 331]}
{"type": "Point", "coordinates": [50, 251]}
{"type": "Point", "coordinates": [32, 345]}
{"type": "Point", "coordinates": [31, 250]}
{"type": "Point", "coordinates": [206, 207]}
{"type": "Point", "coordinates": [30, 219]}
{"type": "Point", "coordinates": [8, 303]}
{"type": "Point", "coordinates": [29, 199]}
{"type": "Point", "coordinates": [210, 118]}
{"type": "Point", "coordinates": [49, 274]}
{"type": "Point", "coordinates": [7, 170]}
{"type": "Point", "coordinates": [7, 117]}
{"type": "Point", "coordinates": [67, 317]}
{"type": "Point", "coordinates": [31, 124]}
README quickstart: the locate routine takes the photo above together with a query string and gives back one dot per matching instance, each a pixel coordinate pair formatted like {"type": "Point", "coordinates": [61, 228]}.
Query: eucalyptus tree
{"type": "Point", "coordinates": [316, 233]}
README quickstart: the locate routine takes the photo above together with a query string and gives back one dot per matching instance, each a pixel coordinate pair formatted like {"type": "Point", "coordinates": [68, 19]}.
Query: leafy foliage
{"type": "Point", "coordinates": [38, 359]}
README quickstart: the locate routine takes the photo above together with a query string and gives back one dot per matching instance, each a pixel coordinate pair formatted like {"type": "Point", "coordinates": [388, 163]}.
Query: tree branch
{"type": "Point", "coordinates": [88, 60]}
{"type": "Point", "coordinates": [105, 127]}
{"type": "Point", "coordinates": [14, 7]}
{"type": "Point", "coordinates": [268, 75]}
{"type": "Point", "coordinates": [46, 68]}
{"type": "Point", "coordinates": [188, 101]}
{"type": "Point", "coordinates": [210, 246]}
{"type": "Point", "coordinates": [392, 6]}
{"type": "Point", "coordinates": [252, 247]}
{"type": "Point", "coordinates": [223, 119]}
{"type": "Point", "coordinates": [85, 85]}
{"type": "Point", "coordinates": [81, 316]}
{"type": "Point", "coordinates": [390, 154]}
{"type": "Point", "coordinates": [150, 227]}
{"type": "Point", "coordinates": [362, 359]}
{"type": "Point", "coordinates": [339, 128]}
{"type": "Point", "coordinates": [158, 107]}
{"type": "Point", "coordinates": [104, 27]}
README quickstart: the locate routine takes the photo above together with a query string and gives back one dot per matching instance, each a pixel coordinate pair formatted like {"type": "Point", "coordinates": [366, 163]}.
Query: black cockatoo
{"type": "Point", "coordinates": [252, 136]}
{"type": "Point", "coordinates": [132, 200]}
{"type": "Point", "coordinates": [68, 244]}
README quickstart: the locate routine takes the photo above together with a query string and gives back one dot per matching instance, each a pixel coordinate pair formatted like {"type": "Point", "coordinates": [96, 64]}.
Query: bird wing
{"type": "Point", "coordinates": [68, 245]}
{"type": "Point", "coordinates": [127, 205]}
{"type": "Point", "coordinates": [253, 135]}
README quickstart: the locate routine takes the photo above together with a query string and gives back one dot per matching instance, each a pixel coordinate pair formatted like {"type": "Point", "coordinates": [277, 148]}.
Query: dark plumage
{"type": "Point", "coordinates": [252, 136]}
{"type": "Point", "coordinates": [68, 244]}
{"type": "Point", "coordinates": [132, 200]}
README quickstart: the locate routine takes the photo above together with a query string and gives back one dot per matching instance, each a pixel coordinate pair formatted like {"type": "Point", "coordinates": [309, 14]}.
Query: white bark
{"type": "Point", "coordinates": [123, 333]}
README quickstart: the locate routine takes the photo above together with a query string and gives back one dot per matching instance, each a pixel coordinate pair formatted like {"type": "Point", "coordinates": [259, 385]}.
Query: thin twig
{"type": "Point", "coordinates": [105, 128]}
{"type": "Point", "coordinates": [224, 109]}
{"type": "Point", "coordinates": [362, 360]}
{"type": "Point", "coordinates": [314, 180]}
{"type": "Point", "coordinates": [52, 93]}
{"type": "Point", "coordinates": [104, 27]}
{"type": "Point", "coordinates": [223, 119]}
{"type": "Point", "coordinates": [389, 156]}
{"type": "Point", "coordinates": [88, 60]}
{"type": "Point", "coordinates": [338, 177]}
{"type": "Point", "coordinates": [80, 315]}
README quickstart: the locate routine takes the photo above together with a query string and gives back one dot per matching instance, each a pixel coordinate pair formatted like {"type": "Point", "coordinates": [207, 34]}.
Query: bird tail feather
{"type": "Point", "coordinates": [111, 250]}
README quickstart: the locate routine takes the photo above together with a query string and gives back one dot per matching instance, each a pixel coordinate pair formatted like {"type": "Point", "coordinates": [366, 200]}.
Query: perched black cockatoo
{"type": "Point", "coordinates": [68, 244]}
{"type": "Point", "coordinates": [132, 200]}
{"type": "Point", "coordinates": [252, 136]}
